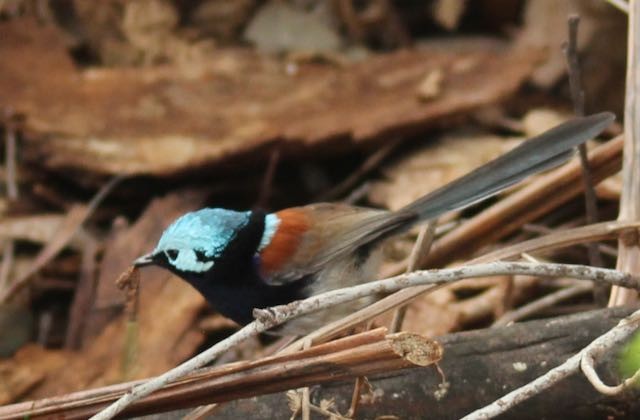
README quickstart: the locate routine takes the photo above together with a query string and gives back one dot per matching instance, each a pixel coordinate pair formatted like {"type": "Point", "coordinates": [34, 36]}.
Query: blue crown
{"type": "Point", "coordinates": [206, 230]}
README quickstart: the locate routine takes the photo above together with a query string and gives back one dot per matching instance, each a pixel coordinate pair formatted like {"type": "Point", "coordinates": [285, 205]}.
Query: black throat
{"type": "Point", "coordinates": [233, 285]}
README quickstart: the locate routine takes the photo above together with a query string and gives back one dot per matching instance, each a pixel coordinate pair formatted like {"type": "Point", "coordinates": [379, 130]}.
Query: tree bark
{"type": "Point", "coordinates": [481, 366]}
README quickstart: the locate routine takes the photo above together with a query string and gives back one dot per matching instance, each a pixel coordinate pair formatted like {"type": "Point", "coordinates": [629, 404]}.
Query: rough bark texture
{"type": "Point", "coordinates": [480, 366]}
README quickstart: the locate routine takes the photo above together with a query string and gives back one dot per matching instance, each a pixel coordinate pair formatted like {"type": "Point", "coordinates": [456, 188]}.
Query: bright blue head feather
{"type": "Point", "coordinates": [208, 231]}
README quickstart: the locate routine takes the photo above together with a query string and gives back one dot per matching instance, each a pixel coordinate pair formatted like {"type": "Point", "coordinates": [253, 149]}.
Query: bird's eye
{"type": "Point", "coordinates": [172, 254]}
{"type": "Point", "coordinates": [200, 256]}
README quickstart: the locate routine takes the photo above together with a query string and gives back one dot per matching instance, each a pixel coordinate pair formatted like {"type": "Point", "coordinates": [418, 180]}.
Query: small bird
{"type": "Point", "coordinates": [241, 260]}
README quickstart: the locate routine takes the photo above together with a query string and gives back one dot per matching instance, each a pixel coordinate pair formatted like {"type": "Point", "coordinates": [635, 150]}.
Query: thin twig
{"type": "Point", "coordinates": [367, 166]}
{"type": "Point", "coordinates": [69, 227]}
{"type": "Point", "coordinates": [420, 249]}
{"type": "Point", "coordinates": [629, 246]}
{"type": "Point", "coordinates": [329, 414]}
{"type": "Point", "coordinates": [271, 317]}
{"type": "Point", "coordinates": [84, 294]}
{"type": "Point", "coordinates": [8, 251]}
{"type": "Point", "coordinates": [202, 412]}
{"type": "Point", "coordinates": [570, 49]}
{"type": "Point", "coordinates": [561, 238]}
{"type": "Point", "coordinates": [340, 360]}
{"type": "Point", "coordinates": [544, 230]}
{"type": "Point", "coordinates": [355, 397]}
{"type": "Point", "coordinates": [545, 302]}
{"type": "Point", "coordinates": [357, 194]}
{"type": "Point", "coordinates": [12, 194]}
{"type": "Point", "coordinates": [587, 365]}
{"type": "Point", "coordinates": [621, 5]}
{"type": "Point", "coordinates": [267, 182]}
{"type": "Point", "coordinates": [10, 158]}
{"type": "Point", "coordinates": [305, 395]}
{"type": "Point", "coordinates": [621, 332]}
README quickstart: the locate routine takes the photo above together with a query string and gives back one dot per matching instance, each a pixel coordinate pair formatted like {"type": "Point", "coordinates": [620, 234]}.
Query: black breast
{"type": "Point", "coordinates": [233, 285]}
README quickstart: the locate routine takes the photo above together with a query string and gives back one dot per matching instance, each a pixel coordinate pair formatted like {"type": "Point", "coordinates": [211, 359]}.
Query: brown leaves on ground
{"type": "Point", "coordinates": [160, 120]}
{"type": "Point", "coordinates": [165, 322]}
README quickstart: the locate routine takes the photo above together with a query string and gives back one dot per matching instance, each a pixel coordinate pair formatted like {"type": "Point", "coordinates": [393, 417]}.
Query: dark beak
{"type": "Point", "coordinates": [144, 260]}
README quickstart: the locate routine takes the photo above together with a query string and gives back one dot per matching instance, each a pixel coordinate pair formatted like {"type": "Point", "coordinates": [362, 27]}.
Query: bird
{"type": "Point", "coordinates": [241, 260]}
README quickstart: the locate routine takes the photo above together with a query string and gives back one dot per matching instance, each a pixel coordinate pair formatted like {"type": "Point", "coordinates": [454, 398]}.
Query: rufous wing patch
{"type": "Point", "coordinates": [285, 241]}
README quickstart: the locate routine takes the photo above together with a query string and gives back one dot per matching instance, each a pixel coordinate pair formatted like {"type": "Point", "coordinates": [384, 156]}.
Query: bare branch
{"type": "Point", "coordinates": [587, 365]}
{"type": "Point", "coordinates": [269, 318]}
{"type": "Point", "coordinates": [622, 331]}
{"type": "Point", "coordinates": [542, 303]}
{"type": "Point", "coordinates": [570, 49]}
{"type": "Point", "coordinates": [420, 249]}
{"type": "Point", "coordinates": [621, 5]}
{"type": "Point", "coordinates": [629, 246]}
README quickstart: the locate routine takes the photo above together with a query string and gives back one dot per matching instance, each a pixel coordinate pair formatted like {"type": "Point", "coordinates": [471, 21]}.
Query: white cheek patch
{"type": "Point", "coordinates": [187, 261]}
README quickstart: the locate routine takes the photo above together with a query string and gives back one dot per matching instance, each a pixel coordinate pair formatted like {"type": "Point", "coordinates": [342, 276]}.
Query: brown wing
{"type": "Point", "coordinates": [311, 236]}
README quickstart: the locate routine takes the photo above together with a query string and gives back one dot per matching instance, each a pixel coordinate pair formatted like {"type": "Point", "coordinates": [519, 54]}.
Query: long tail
{"type": "Point", "coordinates": [545, 151]}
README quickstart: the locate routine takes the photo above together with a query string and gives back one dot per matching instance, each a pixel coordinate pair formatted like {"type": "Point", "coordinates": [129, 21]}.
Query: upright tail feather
{"type": "Point", "coordinates": [545, 151]}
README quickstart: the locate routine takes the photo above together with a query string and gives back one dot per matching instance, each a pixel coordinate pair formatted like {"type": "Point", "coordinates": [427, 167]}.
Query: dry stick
{"type": "Point", "coordinates": [607, 341]}
{"type": "Point", "coordinates": [202, 412]}
{"type": "Point", "coordinates": [294, 405]}
{"type": "Point", "coordinates": [69, 226]}
{"type": "Point", "coordinates": [559, 239]}
{"type": "Point", "coordinates": [84, 294]}
{"type": "Point", "coordinates": [369, 164]}
{"type": "Point", "coordinates": [621, 5]}
{"type": "Point", "coordinates": [355, 397]}
{"type": "Point", "coordinates": [12, 194]}
{"type": "Point", "coordinates": [420, 249]}
{"type": "Point", "coordinates": [267, 183]}
{"type": "Point", "coordinates": [570, 50]}
{"type": "Point", "coordinates": [542, 303]}
{"type": "Point", "coordinates": [84, 399]}
{"type": "Point", "coordinates": [544, 230]}
{"type": "Point", "coordinates": [305, 395]}
{"type": "Point", "coordinates": [271, 317]}
{"type": "Point", "coordinates": [379, 353]}
{"type": "Point", "coordinates": [629, 247]}
{"type": "Point", "coordinates": [328, 414]}
{"type": "Point", "coordinates": [10, 158]}
{"type": "Point", "coordinates": [587, 365]}
{"type": "Point", "coordinates": [347, 12]}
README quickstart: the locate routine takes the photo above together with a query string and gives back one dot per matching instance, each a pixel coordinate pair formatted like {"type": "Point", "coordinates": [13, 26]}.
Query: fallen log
{"type": "Point", "coordinates": [481, 366]}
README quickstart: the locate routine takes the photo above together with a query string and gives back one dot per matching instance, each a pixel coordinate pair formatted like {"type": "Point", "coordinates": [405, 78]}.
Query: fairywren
{"type": "Point", "coordinates": [245, 260]}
